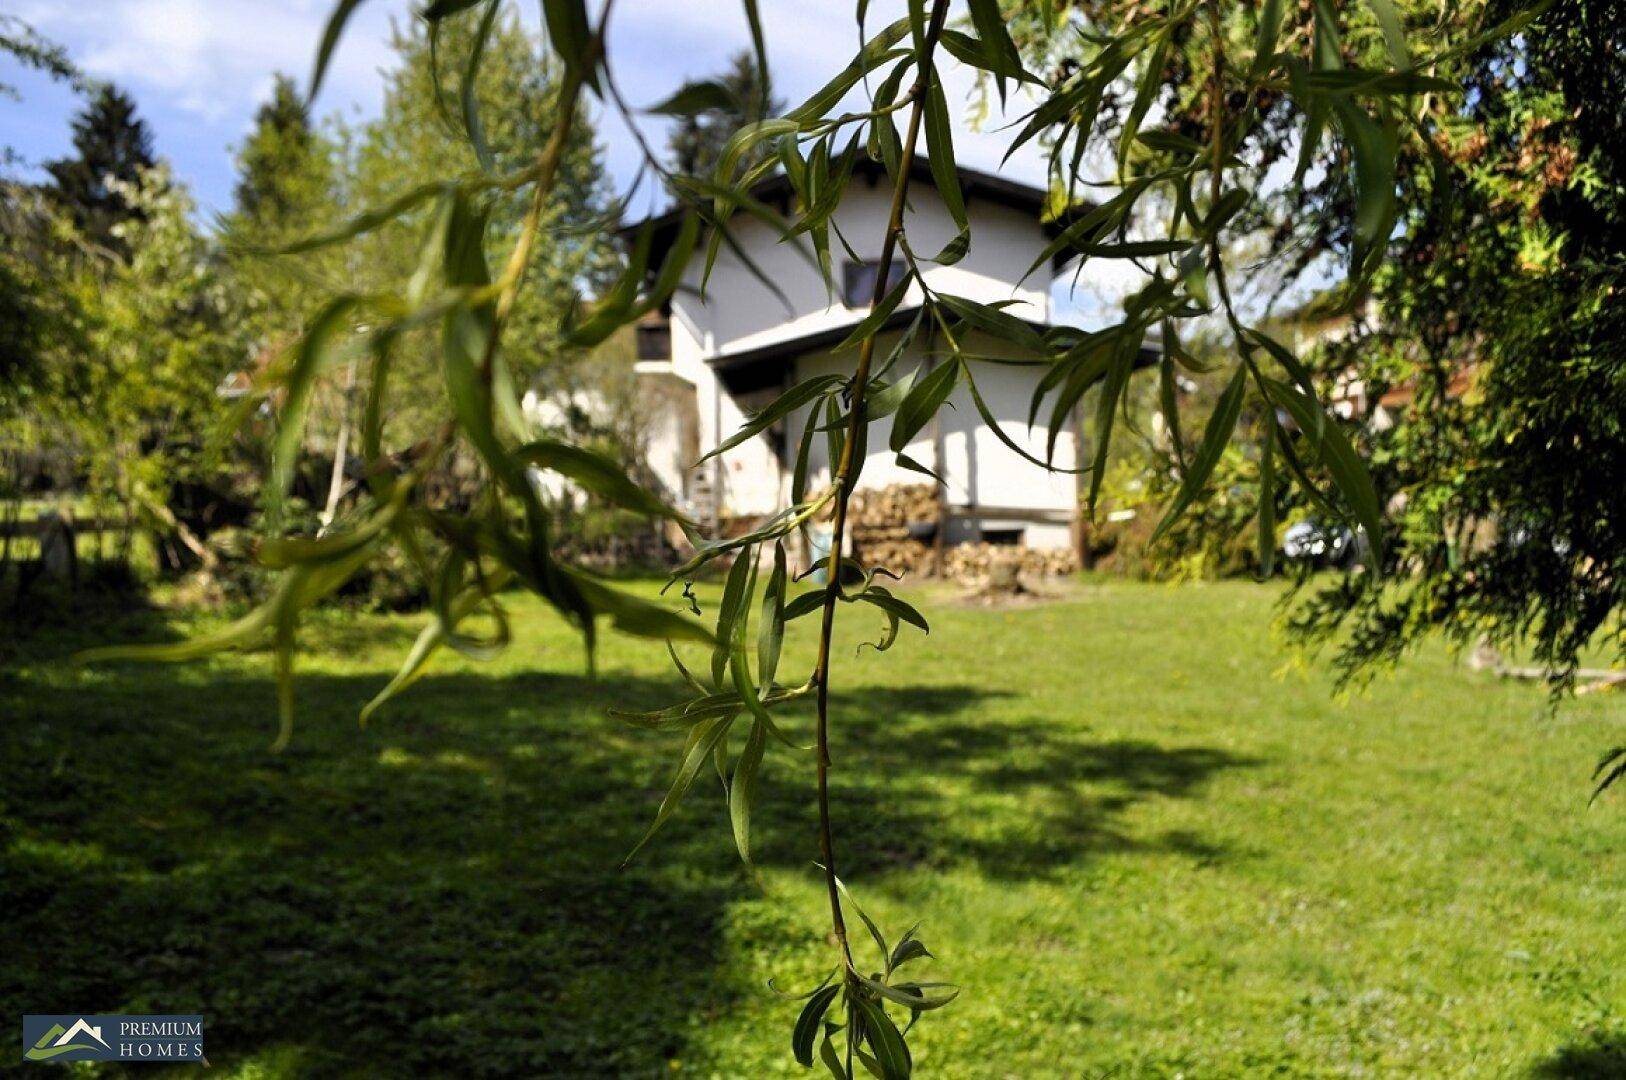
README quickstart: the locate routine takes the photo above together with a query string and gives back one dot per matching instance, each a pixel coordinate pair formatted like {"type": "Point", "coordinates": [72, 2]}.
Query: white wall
{"type": "Point", "coordinates": [980, 470]}
{"type": "Point", "coordinates": [739, 312]}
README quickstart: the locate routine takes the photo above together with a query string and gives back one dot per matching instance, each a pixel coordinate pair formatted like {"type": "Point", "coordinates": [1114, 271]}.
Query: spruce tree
{"type": "Point", "coordinates": [110, 142]}
{"type": "Point", "coordinates": [697, 140]}
{"type": "Point", "coordinates": [285, 166]}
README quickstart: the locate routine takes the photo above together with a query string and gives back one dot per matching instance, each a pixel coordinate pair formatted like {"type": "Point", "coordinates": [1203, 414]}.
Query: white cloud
{"type": "Point", "coordinates": [212, 59]}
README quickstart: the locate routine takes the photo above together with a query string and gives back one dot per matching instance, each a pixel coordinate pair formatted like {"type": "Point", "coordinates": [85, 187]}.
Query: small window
{"type": "Point", "coordinates": [655, 341]}
{"type": "Point", "coordinates": [1003, 537]}
{"type": "Point", "coordinates": [858, 281]}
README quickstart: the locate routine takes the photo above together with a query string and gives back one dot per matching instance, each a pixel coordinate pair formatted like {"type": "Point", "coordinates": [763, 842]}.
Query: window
{"type": "Point", "coordinates": [655, 340]}
{"type": "Point", "coordinates": [858, 281]}
{"type": "Point", "coordinates": [1003, 537]}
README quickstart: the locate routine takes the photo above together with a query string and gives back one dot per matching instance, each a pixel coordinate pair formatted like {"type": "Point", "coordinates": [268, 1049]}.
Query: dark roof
{"type": "Point", "coordinates": [763, 366]}
{"type": "Point", "coordinates": [975, 183]}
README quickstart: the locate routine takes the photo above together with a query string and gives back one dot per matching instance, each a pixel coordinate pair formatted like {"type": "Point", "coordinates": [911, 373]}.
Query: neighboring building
{"type": "Point", "coordinates": [705, 364]}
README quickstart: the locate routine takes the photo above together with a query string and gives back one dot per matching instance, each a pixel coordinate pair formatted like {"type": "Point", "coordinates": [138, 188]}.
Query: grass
{"type": "Point", "coordinates": [1145, 842]}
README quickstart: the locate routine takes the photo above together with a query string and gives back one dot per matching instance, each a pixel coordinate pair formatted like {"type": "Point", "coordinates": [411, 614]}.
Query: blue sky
{"type": "Point", "coordinates": [198, 68]}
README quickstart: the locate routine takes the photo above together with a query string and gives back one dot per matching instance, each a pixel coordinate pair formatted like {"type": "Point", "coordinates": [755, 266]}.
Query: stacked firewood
{"type": "Point", "coordinates": [972, 562]}
{"type": "Point", "coordinates": [893, 527]}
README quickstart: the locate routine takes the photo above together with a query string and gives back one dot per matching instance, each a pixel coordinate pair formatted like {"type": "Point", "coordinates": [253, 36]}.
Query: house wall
{"type": "Point", "coordinates": [739, 312]}
{"type": "Point", "coordinates": [982, 474]}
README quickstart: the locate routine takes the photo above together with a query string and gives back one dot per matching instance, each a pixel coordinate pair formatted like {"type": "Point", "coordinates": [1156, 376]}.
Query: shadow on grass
{"type": "Point", "coordinates": [1602, 1057]}
{"type": "Point", "coordinates": [440, 894]}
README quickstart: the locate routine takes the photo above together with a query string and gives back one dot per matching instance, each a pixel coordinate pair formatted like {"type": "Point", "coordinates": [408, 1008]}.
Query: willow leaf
{"type": "Point", "coordinates": [1221, 423]}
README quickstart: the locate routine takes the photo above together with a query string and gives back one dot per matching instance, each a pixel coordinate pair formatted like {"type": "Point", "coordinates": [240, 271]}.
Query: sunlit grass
{"type": "Point", "coordinates": [1145, 839]}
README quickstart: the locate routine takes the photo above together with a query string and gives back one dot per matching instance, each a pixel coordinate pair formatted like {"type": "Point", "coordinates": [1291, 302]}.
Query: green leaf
{"type": "Point", "coordinates": [908, 948]}
{"type": "Point", "coordinates": [1117, 378]}
{"type": "Point", "coordinates": [315, 351]}
{"type": "Point", "coordinates": [692, 98]}
{"type": "Point", "coordinates": [829, 1056]}
{"type": "Point", "coordinates": [568, 30]}
{"type": "Point", "coordinates": [440, 9]}
{"type": "Point", "coordinates": [737, 589]}
{"type": "Point", "coordinates": [999, 54]}
{"type": "Point", "coordinates": [801, 394]}
{"type": "Point", "coordinates": [925, 397]}
{"type": "Point", "coordinates": [1335, 451]}
{"type": "Point", "coordinates": [734, 150]}
{"type": "Point", "coordinates": [924, 997]}
{"type": "Point", "coordinates": [1267, 500]}
{"type": "Point", "coordinates": [892, 605]}
{"type": "Point", "coordinates": [633, 615]}
{"type": "Point", "coordinates": [890, 1051]}
{"type": "Point", "coordinates": [467, 95]}
{"type": "Point", "coordinates": [743, 788]}
{"type": "Point", "coordinates": [876, 52]}
{"type": "Point", "coordinates": [330, 41]}
{"type": "Point", "coordinates": [759, 47]}
{"type": "Point", "coordinates": [807, 1024]}
{"type": "Point", "coordinates": [992, 320]}
{"type": "Point", "coordinates": [1264, 43]}
{"type": "Point", "coordinates": [596, 474]}
{"type": "Point", "coordinates": [993, 424]}
{"type": "Point", "coordinates": [1329, 47]}
{"type": "Point", "coordinates": [940, 149]}
{"type": "Point", "coordinates": [885, 401]}
{"type": "Point", "coordinates": [1151, 84]}
{"type": "Point", "coordinates": [1394, 32]}
{"type": "Point", "coordinates": [1133, 249]}
{"type": "Point", "coordinates": [368, 220]}
{"type": "Point", "coordinates": [1168, 402]}
{"type": "Point", "coordinates": [1374, 147]}
{"type": "Point", "coordinates": [1221, 423]}
{"type": "Point", "coordinates": [879, 313]}
{"type": "Point", "coordinates": [869, 924]}
{"type": "Point", "coordinates": [702, 741]}
{"type": "Point", "coordinates": [771, 624]}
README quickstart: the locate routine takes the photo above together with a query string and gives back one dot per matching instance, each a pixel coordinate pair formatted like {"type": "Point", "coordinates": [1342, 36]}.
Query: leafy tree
{"type": "Point", "coordinates": [502, 537]}
{"type": "Point", "coordinates": [285, 167]}
{"type": "Point", "coordinates": [741, 95]}
{"type": "Point", "coordinates": [1500, 332]}
{"type": "Point", "coordinates": [28, 309]}
{"type": "Point", "coordinates": [439, 121]}
{"type": "Point", "coordinates": [112, 150]}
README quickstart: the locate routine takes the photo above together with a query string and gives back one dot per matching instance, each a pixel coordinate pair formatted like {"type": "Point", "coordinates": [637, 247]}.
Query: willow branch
{"type": "Point", "coordinates": [547, 173]}
{"type": "Point", "coordinates": [845, 473]}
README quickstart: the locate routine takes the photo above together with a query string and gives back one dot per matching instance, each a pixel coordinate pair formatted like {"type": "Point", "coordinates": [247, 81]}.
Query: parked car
{"type": "Point", "coordinates": [1322, 544]}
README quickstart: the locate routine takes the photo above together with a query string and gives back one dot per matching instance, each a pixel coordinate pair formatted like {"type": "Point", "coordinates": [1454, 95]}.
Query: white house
{"type": "Point", "coordinates": [707, 362]}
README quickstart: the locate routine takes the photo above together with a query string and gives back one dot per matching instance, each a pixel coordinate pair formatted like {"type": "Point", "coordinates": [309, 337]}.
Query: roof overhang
{"type": "Point", "coordinates": [975, 184]}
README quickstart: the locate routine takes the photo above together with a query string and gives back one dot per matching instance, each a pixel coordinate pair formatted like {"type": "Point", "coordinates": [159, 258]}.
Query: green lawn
{"type": "Point", "coordinates": [1146, 842]}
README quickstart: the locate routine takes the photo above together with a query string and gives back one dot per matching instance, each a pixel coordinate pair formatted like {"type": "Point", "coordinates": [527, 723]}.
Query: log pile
{"type": "Point", "coordinates": [893, 527]}
{"type": "Point", "coordinates": [972, 563]}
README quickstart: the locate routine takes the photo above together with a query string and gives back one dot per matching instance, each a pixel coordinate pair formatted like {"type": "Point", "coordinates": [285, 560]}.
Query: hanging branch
{"type": "Point", "coordinates": [845, 475]}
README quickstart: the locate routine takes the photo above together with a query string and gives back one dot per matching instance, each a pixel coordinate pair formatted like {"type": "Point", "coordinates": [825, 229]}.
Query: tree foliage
{"type": "Point", "coordinates": [489, 220]}
{"type": "Point", "coordinates": [740, 95]}
{"type": "Point", "coordinates": [112, 150]}
{"type": "Point", "coordinates": [1498, 337]}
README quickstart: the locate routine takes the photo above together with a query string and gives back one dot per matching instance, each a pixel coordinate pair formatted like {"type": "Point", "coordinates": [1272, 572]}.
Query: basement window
{"type": "Point", "coordinates": [858, 281]}
{"type": "Point", "coordinates": [1003, 537]}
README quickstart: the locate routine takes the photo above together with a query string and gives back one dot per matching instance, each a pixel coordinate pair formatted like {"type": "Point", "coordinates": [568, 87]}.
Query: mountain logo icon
{"type": "Point", "coordinates": [60, 1040]}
